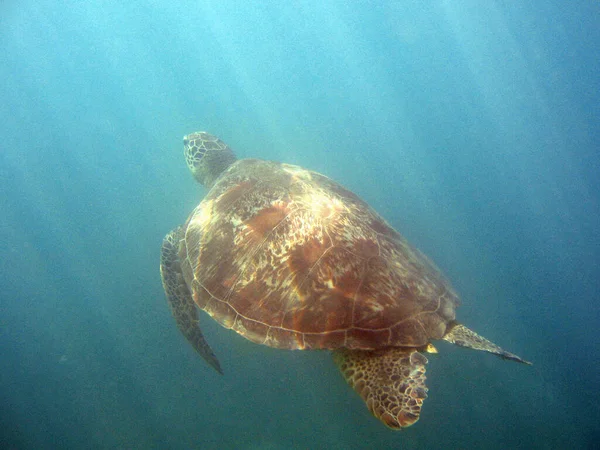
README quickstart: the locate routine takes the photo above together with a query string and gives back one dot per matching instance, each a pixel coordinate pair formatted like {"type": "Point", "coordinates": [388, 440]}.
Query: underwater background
{"type": "Point", "coordinates": [473, 127]}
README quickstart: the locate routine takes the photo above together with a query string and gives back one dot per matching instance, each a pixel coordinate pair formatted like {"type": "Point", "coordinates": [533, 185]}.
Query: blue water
{"type": "Point", "coordinates": [473, 127]}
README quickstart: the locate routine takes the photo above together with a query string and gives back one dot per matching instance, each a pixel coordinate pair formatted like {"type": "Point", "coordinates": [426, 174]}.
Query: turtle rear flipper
{"type": "Point", "coordinates": [180, 300]}
{"type": "Point", "coordinates": [461, 335]}
{"type": "Point", "coordinates": [391, 381]}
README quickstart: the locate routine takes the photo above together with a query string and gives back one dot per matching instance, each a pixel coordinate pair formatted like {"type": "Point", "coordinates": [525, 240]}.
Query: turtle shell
{"type": "Point", "coordinates": [290, 259]}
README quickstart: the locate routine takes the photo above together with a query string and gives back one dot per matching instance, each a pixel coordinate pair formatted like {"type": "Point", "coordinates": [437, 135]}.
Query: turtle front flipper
{"type": "Point", "coordinates": [461, 335]}
{"type": "Point", "coordinates": [391, 381]}
{"type": "Point", "coordinates": [180, 300]}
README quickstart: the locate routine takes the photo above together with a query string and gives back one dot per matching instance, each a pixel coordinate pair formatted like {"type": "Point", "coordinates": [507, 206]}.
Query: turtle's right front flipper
{"type": "Point", "coordinates": [464, 337]}
{"type": "Point", "coordinates": [180, 300]}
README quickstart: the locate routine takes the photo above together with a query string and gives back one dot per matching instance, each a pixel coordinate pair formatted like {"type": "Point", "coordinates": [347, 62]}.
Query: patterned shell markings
{"type": "Point", "coordinates": [290, 259]}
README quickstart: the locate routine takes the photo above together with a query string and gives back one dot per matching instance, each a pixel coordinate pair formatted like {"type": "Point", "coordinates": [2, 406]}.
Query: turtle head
{"type": "Point", "coordinates": [206, 156]}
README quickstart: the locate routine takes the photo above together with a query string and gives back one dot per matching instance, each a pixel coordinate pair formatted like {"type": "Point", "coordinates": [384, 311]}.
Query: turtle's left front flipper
{"type": "Point", "coordinates": [391, 381]}
{"type": "Point", "coordinates": [180, 300]}
{"type": "Point", "coordinates": [461, 335]}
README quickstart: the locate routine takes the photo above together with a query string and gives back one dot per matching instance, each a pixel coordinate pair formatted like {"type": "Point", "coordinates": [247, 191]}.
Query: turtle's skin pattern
{"type": "Point", "coordinates": [289, 258]}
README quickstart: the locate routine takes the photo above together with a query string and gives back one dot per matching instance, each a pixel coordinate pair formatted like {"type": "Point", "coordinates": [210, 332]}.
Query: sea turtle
{"type": "Point", "coordinates": [288, 258]}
